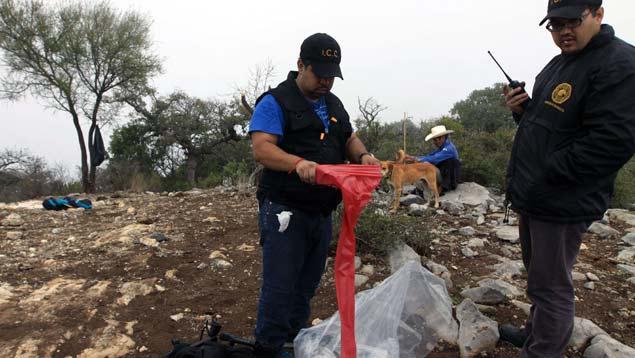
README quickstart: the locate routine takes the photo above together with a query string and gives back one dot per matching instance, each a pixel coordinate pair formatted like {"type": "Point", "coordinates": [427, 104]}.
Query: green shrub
{"type": "Point", "coordinates": [625, 187]}
{"type": "Point", "coordinates": [378, 234]}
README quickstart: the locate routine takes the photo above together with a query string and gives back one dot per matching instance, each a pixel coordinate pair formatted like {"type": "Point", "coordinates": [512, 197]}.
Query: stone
{"type": "Point", "coordinates": [148, 242]}
{"type": "Point", "coordinates": [623, 216]}
{"type": "Point", "coordinates": [220, 264]}
{"type": "Point", "coordinates": [480, 220]}
{"type": "Point", "coordinates": [159, 237]}
{"type": "Point", "coordinates": [631, 280]}
{"type": "Point", "coordinates": [13, 220]}
{"type": "Point", "coordinates": [452, 207]}
{"type": "Point", "coordinates": [590, 285]}
{"type": "Point", "coordinates": [417, 209]}
{"type": "Point", "coordinates": [627, 255]}
{"type": "Point", "coordinates": [360, 280]}
{"type": "Point", "coordinates": [525, 307]}
{"type": "Point", "coordinates": [507, 233]}
{"type": "Point", "coordinates": [217, 255]}
{"type": "Point", "coordinates": [246, 248]}
{"type": "Point", "coordinates": [583, 331]}
{"type": "Point", "coordinates": [368, 270]}
{"type": "Point", "coordinates": [14, 235]}
{"type": "Point", "coordinates": [603, 231]}
{"type": "Point", "coordinates": [177, 317]}
{"type": "Point", "coordinates": [411, 199]}
{"type": "Point", "coordinates": [484, 295]}
{"type": "Point", "coordinates": [467, 231]}
{"type": "Point", "coordinates": [476, 243]}
{"type": "Point", "coordinates": [130, 290]}
{"type": "Point", "coordinates": [508, 268]}
{"type": "Point", "coordinates": [505, 288]}
{"type": "Point", "coordinates": [629, 239]}
{"type": "Point", "coordinates": [627, 268]}
{"type": "Point", "coordinates": [477, 333]}
{"type": "Point", "coordinates": [358, 263]}
{"type": "Point", "coordinates": [578, 276]}
{"type": "Point", "coordinates": [56, 231]}
{"type": "Point", "coordinates": [469, 194]}
{"type": "Point", "coordinates": [467, 252]}
{"type": "Point", "coordinates": [603, 346]}
{"type": "Point", "coordinates": [592, 277]}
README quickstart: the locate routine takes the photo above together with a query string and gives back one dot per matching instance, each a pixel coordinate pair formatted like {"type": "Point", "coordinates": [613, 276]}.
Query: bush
{"type": "Point", "coordinates": [624, 196]}
{"type": "Point", "coordinates": [378, 234]}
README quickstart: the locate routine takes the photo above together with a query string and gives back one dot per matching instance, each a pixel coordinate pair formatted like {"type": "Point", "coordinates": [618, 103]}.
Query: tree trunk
{"type": "Point", "coordinates": [192, 163]}
{"type": "Point", "coordinates": [82, 147]}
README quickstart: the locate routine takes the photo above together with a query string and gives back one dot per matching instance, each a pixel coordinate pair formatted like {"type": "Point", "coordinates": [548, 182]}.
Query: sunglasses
{"type": "Point", "coordinates": [557, 25]}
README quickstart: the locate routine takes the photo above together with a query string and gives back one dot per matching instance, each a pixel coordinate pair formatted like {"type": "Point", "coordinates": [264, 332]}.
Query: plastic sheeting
{"type": "Point", "coordinates": [357, 182]}
{"type": "Point", "coordinates": [403, 317]}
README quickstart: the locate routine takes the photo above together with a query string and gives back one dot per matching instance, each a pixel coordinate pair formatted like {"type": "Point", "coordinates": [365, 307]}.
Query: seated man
{"type": "Point", "coordinates": [445, 157]}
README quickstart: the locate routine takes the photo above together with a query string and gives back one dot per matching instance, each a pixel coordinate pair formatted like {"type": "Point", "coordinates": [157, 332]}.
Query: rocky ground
{"type": "Point", "coordinates": [125, 278]}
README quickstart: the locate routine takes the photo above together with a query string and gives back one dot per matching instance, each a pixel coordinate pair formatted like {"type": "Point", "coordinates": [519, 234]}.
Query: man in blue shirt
{"type": "Point", "coordinates": [296, 126]}
{"type": "Point", "coordinates": [445, 157]}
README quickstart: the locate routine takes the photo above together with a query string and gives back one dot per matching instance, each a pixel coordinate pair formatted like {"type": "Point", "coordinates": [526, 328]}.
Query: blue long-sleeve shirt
{"type": "Point", "coordinates": [447, 151]}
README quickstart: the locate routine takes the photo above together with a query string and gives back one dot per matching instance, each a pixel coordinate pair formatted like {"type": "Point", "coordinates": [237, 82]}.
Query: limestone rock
{"type": "Point", "coordinates": [627, 255]}
{"type": "Point", "coordinates": [603, 231]}
{"type": "Point", "coordinates": [360, 280]}
{"type": "Point", "coordinates": [508, 233]}
{"type": "Point", "coordinates": [505, 288]}
{"type": "Point", "coordinates": [603, 346]}
{"type": "Point", "coordinates": [13, 220]}
{"type": "Point", "coordinates": [477, 333]}
{"type": "Point", "coordinates": [583, 331]}
{"type": "Point", "coordinates": [629, 239]}
{"type": "Point", "coordinates": [467, 231]}
{"type": "Point", "coordinates": [412, 199]}
{"type": "Point", "coordinates": [623, 216]}
{"type": "Point", "coordinates": [484, 295]}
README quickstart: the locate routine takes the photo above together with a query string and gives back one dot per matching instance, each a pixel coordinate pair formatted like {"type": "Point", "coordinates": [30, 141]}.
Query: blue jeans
{"type": "Point", "coordinates": [292, 266]}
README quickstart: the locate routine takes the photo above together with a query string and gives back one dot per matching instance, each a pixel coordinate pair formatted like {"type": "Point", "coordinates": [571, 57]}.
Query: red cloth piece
{"type": "Point", "coordinates": [357, 183]}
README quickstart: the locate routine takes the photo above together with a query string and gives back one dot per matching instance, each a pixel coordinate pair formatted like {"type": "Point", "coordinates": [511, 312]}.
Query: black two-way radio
{"type": "Point", "coordinates": [512, 83]}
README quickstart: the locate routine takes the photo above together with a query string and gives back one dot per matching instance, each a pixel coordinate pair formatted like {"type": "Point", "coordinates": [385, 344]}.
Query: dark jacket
{"type": "Point", "coordinates": [305, 136]}
{"type": "Point", "coordinates": [576, 133]}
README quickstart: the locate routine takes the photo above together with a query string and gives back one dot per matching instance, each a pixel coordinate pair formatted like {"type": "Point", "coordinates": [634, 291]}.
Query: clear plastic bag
{"type": "Point", "coordinates": [403, 317]}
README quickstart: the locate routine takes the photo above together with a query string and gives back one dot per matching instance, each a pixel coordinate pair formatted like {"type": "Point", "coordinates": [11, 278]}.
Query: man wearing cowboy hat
{"type": "Point", "coordinates": [573, 137]}
{"type": "Point", "coordinates": [445, 157]}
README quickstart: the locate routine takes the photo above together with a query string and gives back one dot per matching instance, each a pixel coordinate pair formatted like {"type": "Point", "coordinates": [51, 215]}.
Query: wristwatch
{"type": "Point", "coordinates": [363, 154]}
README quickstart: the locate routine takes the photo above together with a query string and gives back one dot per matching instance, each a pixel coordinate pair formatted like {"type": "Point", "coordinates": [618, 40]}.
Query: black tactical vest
{"type": "Point", "coordinates": [306, 137]}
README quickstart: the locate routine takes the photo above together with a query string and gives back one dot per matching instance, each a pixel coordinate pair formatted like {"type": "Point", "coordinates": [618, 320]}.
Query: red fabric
{"type": "Point", "coordinates": [357, 183]}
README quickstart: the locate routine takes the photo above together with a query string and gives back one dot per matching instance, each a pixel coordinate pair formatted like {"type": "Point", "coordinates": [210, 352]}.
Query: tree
{"type": "Point", "coordinates": [81, 58]}
{"type": "Point", "coordinates": [368, 127]}
{"type": "Point", "coordinates": [484, 110]}
{"type": "Point", "coordinates": [195, 126]}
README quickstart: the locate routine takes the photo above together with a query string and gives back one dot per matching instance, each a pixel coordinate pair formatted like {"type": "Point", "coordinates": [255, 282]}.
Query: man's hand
{"type": "Point", "coordinates": [409, 158]}
{"type": "Point", "coordinates": [370, 160]}
{"type": "Point", "coordinates": [514, 98]}
{"type": "Point", "coordinates": [306, 171]}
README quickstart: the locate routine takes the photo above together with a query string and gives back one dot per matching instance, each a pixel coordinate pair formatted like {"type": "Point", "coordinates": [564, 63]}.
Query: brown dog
{"type": "Point", "coordinates": [401, 173]}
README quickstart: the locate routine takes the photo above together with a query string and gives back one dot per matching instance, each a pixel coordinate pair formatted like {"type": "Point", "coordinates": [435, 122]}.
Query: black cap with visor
{"type": "Point", "coordinates": [569, 9]}
{"type": "Point", "coordinates": [323, 53]}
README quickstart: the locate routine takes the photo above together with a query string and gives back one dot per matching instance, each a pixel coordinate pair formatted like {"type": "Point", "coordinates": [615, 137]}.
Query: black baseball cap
{"type": "Point", "coordinates": [323, 53]}
{"type": "Point", "coordinates": [569, 9]}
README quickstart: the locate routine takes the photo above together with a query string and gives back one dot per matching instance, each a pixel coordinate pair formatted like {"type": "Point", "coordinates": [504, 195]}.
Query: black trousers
{"type": "Point", "coordinates": [549, 252]}
{"type": "Point", "coordinates": [450, 173]}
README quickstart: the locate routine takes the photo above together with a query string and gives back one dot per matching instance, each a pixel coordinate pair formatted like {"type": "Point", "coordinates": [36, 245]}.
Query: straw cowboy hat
{"type": "Point", "coordinates": [438, 131]}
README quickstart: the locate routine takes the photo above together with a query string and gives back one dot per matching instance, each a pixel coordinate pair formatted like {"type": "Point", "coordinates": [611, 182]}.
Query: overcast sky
{"type": "Point", "coordinates": [418, 57]}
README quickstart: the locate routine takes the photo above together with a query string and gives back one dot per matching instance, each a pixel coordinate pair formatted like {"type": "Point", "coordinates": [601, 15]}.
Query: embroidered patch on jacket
{"type": "Point", "coordinates": [562, 93]}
